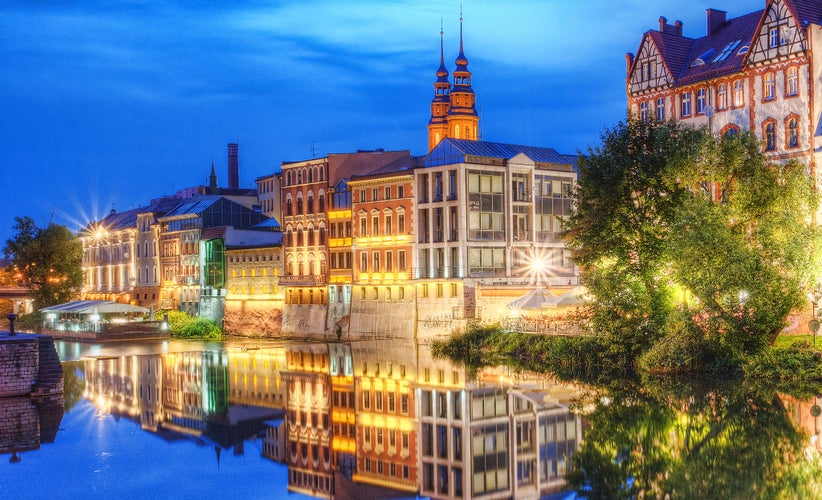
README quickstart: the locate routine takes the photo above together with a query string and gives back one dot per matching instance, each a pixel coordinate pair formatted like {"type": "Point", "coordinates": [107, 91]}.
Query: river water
{"type": "Point", "coordinates": [384, 419]}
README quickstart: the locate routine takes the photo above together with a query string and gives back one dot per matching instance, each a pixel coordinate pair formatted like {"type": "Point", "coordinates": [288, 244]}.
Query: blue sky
{"type": "Point", "coordinates": [105, 105]}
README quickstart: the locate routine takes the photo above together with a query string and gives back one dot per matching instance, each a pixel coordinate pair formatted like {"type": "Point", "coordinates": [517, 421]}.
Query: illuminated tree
{"type": "Point", "coordinates": [679, 232]}
{"type": "Point", "coordinates": [48, 261]}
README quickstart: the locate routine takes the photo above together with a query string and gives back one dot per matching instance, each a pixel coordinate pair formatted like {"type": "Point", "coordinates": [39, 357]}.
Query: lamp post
{"type": "Point", "coordinates": [11, 318]}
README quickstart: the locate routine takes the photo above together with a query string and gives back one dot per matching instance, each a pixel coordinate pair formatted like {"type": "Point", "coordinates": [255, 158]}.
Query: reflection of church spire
{"type": "Point", "coordinates": [218, 451]}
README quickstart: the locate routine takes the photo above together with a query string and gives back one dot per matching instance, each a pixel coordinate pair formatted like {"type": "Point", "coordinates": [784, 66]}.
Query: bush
{"type": "Point", "coordinates": [184, 326]}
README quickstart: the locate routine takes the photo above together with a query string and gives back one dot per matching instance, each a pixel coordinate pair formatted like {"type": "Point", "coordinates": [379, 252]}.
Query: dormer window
{"type": "Point", "coordinates": [743, 49]}
{"type": "Point", "coordinates": [727, 51]}
{"type": "Point", "coordinates": [699, 61]}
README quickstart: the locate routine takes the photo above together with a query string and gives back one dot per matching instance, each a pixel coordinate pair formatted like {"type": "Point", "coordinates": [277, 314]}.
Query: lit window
{"type": "Point", "coordinates": [769, 87]}
{"type": "Point", "coordinates": [792, 85]}
{"type": "Point", "coordinates": [643, 111]}
{"type": "Point", "coordinates": [722, 96]}
{"type": "Point", "coordinates": [739, 94]}
{"type": "Point", "coordinates": [774, 37]}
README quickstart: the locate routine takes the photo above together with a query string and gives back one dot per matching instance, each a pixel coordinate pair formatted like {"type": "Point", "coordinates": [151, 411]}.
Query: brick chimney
{"type": "Point", "coordinates": [233, 166]}
{"type": "Point", "coordinates": [664, 27]}
{"type": "Point", "coordinates": [714, 19]}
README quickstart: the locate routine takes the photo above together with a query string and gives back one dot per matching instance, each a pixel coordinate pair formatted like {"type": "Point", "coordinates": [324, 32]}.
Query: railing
{"type": "Point", "coordinates": [298, 280]}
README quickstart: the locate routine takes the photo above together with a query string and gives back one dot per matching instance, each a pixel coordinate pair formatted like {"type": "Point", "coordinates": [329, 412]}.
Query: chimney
{"type": "Point", "coordinates": [664, 27]}
{"type": "Point", "coordinates": [715, 18]}
{"type": "Point", "coordinates": [233, 166]}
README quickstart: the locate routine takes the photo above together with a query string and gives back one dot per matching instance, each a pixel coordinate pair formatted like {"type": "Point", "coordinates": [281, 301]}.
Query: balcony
{"type": "Point", "coordinates": [298, 280]}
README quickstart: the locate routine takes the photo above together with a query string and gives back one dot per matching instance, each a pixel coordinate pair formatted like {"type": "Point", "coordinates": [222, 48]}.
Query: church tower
{"type": "Point", "coordinates": [438, 124]}
{"type": "Point", "coordinates": [463, 120]}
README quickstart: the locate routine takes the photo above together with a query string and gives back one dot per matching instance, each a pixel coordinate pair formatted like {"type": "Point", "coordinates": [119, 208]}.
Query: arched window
{"type": "Point", "coordinates": [643, 111]}
{"type": "Point", "coordinates": [660, 109]}
{"type": "Point", "coordinates": [289, 209]}
{"type": "Point", "coordinates": [310, 203]}
{"type": "Point", "coordinates": [729, 130]}
{"type": "Point", "coordinates": [700, 101]}
{"type": "Point", "coordinates": [311, 175]}
{"type": "Point", "coordinates": [322, 203]}
{"type": "Point", "coordinates": [686, 104]}
{"type": "Point", "coordinates": [722, 96]}
{"type": "Point", "coordinates": [769, 134]}
{"type": "Point", "coordinates": [769, 87]}
{"type": "Point", "coordinates": [739, 94]}
{"type": "Point", "coordinates": [792, 127]}
{"type": "Point", "coordinates": [791, 81]}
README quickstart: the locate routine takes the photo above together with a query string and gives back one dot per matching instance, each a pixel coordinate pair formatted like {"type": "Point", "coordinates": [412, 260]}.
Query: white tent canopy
{"type": "Point", "coordinates": [541, 298]}
{"type": "Point", "coordinates": [94, 307]}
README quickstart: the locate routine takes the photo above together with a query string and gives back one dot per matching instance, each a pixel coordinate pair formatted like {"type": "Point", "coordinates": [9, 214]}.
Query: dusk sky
{"type": "Point", "coordinates": [106, 105]}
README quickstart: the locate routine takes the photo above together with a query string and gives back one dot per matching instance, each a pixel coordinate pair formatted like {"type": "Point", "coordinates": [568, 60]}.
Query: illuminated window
{"type": "Point", "coordinates": [769, 87]}
{"type": "Point", "coordinates": [792, 81]}
{"type": "Point", "coordinates": [739, 94]}
{"type": "Point", "coordinates": [643, 111]}
{"type": "Point", "coordinates": [722, 96]}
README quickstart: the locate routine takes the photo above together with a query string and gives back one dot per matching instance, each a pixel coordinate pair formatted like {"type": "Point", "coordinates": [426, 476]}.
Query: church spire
{"type": "Point", "coordinates": [440, 104]}
{"type": "Point", "coordinates": [212, 180]}
{"type": "Point", "coordinates": [463, 120]}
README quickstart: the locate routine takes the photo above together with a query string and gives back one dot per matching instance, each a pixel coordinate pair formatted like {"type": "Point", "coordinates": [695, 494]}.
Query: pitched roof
{"type": "Point", "coordinates": [344, 165]}
{"type": "Point", "coordinates": [673, 49]}
{"type": "Point", "coordinates": [808, 11]}
{"type": "Point", "coordinates": [193, 206]}
{"type": "Point", "coordinates": [726, 40]}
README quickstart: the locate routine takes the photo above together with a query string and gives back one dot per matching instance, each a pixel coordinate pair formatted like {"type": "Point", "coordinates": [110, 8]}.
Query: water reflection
{"type": "Point", "coordinates": [369, 419]}
{"type": "Point", "coordinates": [664, 437]}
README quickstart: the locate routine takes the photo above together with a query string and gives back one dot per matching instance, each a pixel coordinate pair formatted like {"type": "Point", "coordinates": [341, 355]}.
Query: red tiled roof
{"type": "Point", "coordinates": [808, 11]}
{"type": "Point", "coordinates": [742, 29]}
{"type": "Point", "coordinates": [673, 49]}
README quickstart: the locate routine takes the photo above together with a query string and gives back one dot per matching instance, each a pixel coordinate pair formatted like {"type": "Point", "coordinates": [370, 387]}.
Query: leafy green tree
{"type": "Point", "coordinates": [677, 230]}
{"type": "Point", "coordinates": [48, 260]}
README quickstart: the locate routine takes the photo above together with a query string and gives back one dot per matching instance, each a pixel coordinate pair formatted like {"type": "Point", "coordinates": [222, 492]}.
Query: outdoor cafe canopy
{"type": "Point", "coordinates": [94, 307]}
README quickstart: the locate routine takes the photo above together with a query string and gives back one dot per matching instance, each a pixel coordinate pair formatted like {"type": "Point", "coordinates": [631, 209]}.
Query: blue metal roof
{"type": "Point", "coordinates": [450, 151]}
{"type": "Point", "coordinates": [194, 206]}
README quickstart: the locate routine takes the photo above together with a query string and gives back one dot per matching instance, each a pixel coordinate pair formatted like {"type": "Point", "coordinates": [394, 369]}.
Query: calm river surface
{"type": "Point", "coordinates": [383, 419]}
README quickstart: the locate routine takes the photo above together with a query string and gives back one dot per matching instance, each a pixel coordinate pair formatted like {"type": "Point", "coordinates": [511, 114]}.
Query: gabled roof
{"type": "Point", "coordinates": [450, 151]}
{"type": "Point", "coordinates": [672, 48]}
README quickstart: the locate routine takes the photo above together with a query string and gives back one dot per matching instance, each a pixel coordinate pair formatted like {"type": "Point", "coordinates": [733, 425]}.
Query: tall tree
{"type": "Point", "coordinates": [48, 259]}
{"type": "Point", "coordinates": [675, 229]}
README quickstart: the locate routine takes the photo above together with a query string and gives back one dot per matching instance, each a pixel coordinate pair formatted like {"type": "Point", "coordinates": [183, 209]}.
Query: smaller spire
{"type": "Point", "coordinates": [212, 179]}
{"type": "Point", "coordinates": [462, 61]}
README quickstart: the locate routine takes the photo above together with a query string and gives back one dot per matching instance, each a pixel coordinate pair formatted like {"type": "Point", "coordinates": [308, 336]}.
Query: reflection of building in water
{"type": "Point", "coordinates": [111, 384]}
{"type": "Point", "coordinates": [489, 439]}
{"type": "Point", "coordinates": [806, 415]}
{"type": "Point", "coordinates": [26, 423]}
{"type": "Point", "coordinates": [308, 412]}
{"type": "Point", "coordinates": [386, 414]}
{"type": "Point", "coordinates": [179, 395]}
{"type": "Point", "coordinates": [194, 387]}
{"type": "Point", "coordinates": [255, 377]}
{"type": "Point", "coordinates": [343, 414]}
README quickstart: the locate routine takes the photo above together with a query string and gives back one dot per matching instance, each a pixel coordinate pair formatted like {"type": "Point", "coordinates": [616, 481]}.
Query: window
{"type": "Point", "coordinates": [686, 104]}
{"type": "Point", "coordinates": [700, 101]}
{"type": "Point", "coordinates": [404, 405]}
{"type": "Point", "coordinates": [770, 135]}
{"type": "Point", "coordinates": [375, 226]}
{"type": "Point", "coordinates": [363, 227]}
{"type": "Point", "coordinates": [643, 111]}
{"type": "Point", "coordinates": [366, 398]}
{"type": "Point", "coordinates": [401, 223]}
{"type": "Point", "coordinates": [389, 261]}
{"type": "Point", "coordinates": [793, 132]}
{"type": "Point", "coordinates": [400, 191]}
{"type": "Point", "coordinates": [389, 228]}
{"type": "Point", "coordinates": [769, 87]}
{"type": "Point", "coordinates": [660, 109]}
{"type": "Point", "coordinates": [791, 82]}
{"type": "Point", "coordinates": [722, 96]}
{"type": "Point", "coordinates": [774, 37]}
{"type": "Point", "coordinates": [375, 194]}
{"type": "Point", "coordinates": [376, 268]}
{"type": "Point", "coordinates": [388, 192]}
{"type": "Point", "coordinates": [401, 260]}
{"type": "Point", "coordinates": [362, 195]}
{"type": "Point", "coordinates": [363, 262]}
{"type": "Point", "coordinates": [739, 94]}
